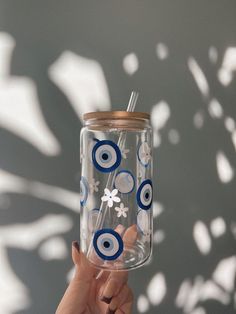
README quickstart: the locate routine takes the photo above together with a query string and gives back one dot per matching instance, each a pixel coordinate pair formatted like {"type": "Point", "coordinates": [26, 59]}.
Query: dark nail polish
{"type": "Point", "coordinates": [76, 246]}
{"type": "Point", "coordinates": [106, 300]}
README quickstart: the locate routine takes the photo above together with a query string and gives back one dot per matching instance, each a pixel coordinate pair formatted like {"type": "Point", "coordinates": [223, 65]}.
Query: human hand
{"type": "Point", "coordinates": [87, 294]}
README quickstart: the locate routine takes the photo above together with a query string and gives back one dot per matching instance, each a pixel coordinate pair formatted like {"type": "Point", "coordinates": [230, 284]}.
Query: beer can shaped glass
{"type": "Point", "coordinates": [116, 189]}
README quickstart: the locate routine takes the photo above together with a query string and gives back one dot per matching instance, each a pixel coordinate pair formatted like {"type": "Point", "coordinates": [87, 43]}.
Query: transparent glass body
{"type": "Point", "coordinates": [116, 192]}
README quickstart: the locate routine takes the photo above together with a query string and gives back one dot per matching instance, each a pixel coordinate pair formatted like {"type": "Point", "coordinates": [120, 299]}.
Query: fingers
{"type": "Point", "coordinates": [113, 285]}
{"type": "Point", "coordinates": [76, 296]}
{"type": "Point", "coordinates": [117, 279]}
{"type": "Point", "coordinates": [130, 236]}
{"type": "Point", "coordinates": [122, 303]}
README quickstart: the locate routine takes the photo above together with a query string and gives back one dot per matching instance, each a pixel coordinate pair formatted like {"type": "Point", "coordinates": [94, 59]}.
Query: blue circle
{"type": "Point", "coordinates": [105, 156]}
{"type": "Point", "coordinates": [130, 173]}
{"type": "Point", "coordinates": [84, 186]}
{"type": "Point", "coordinates": [118, 238]}
{"type": "Point", "coordinates": [107, 244]}
{"type": "Point", "coordinates": [118, 156]}
{"type": "Point", "coordinates": [138, 195]}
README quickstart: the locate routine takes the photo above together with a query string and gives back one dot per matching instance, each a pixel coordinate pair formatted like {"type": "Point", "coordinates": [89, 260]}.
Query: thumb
{"type": "Point", "coordinates": [76, 296]}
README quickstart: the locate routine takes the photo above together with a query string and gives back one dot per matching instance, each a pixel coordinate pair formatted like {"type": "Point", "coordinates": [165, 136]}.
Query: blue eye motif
{"type": "Point", "coordinates": [84, 190]}
{"type": "Point", "coordinates": [144, 194]}
{"type": "Point", "coordinates": [124, 181]}
{"type": "Point", "coordinates": [108, 244]}
{"type": "Point", "coordinates": [106, 156]}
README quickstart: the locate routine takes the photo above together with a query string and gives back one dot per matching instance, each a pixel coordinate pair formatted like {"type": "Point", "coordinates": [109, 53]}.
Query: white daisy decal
{"type": "Point", "coordinates": [82, 156]}
{"type": "Point", "coordinates": [121, 211]}
{"type": "Point", "coordinates": [146, 237]}
{"type": "Point", "coordinates": [110, 197]}
{"type": "Point", "coordinates": [94, 185]}
{"type": "Point", "coordinates": [124, 152]}
{"type": "Point", "coordinates": [144, 154]}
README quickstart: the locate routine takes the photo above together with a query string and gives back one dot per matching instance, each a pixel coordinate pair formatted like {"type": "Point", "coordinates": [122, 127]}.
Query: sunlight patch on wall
{"type": "Point", "coordinates": [53, 249]}
{"type": "Point", "coordinates": [7, 44]}
{"type": "Point", "coordinates": [201, 237]}
{"type": "Point", "coordinates": [20, 109]}
{"type": "Point", "coordinates": [224, 169]}
{"type": "Point", "coordinates": [198, 120]}
{"type": "Point", "coordinates": [162, 51]}
{"type": "Point", "coordinates": [28, 236]}
{"type": "Point", "coordinates": [182, 295]}
{"type": "Point", "coordinates": [14, 295]}
{"type": "Point", "coordinates": [143, 304]}
{"type": "Point", "coordinates": [82, 81]}
{"type": "Point", "coordinates": [213, 54]}
{"type": "Point", "coordinates": [218, 227]}
{"type": "Point", "coordinates": [225, 273]}
{"type": "Point", "coordinates": [160, 114]}
{"type": "Point", "coordinates": [157, 289]}
{"type": "Point", "coordinates": [158, 209]}
{"type": "Point", "coordinates": [199, 310]}
{"type": "Point", "coordinates": [229, 124]}
{"type": "Point", "coordinates": [158, 236]}
{"type": "Point", "coordinates": [228, 67]}
{"type": "Point", "coordinates": [173, 136]}
{"type": "Point", "coordinates": [215, 109]}
{"type": "Point", "coordinates": [191, 294]}
{"type": "Point", "coordinates": [199, 76]}
{"type": "Point", "coordinates": [10, 183]}
{"type": "Point", "coordinates": [130, 63]}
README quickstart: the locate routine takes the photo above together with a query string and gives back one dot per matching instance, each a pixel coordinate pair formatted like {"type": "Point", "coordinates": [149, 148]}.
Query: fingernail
{"type": "Point", "coordinates": [75, 244]}
{"type": "Point", "coordinates": [109, 311]}
{"type": "Point", "coordinates": [105, 299]}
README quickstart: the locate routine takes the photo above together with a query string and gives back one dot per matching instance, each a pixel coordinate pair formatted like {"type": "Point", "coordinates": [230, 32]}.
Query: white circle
{"type": "Point", "coordinates": [143, 221]}
{"type": "Point", "coordinates": [110, 151]}
{"type": "Point", "coordinates": [110, 238]}
{"type": "Point", "coordinates": [124, 182]}
{"type": "Point", "coordinates": [146, 188]}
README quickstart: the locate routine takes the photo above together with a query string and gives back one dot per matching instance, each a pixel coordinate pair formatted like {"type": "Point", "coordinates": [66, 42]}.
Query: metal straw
{"type": "Point", "coordinates": [111, 178]}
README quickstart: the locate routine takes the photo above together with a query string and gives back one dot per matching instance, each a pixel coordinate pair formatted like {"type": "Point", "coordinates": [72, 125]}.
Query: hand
{"type": "Point", "coordinates": [87, 294]}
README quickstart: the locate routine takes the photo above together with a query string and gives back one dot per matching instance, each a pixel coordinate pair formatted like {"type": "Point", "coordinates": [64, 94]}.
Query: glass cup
{"type": "Point", "coordinates": [116, 189]}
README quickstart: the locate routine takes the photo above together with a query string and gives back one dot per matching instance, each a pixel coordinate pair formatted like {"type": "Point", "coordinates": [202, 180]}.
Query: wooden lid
{"type": "Point", "coordinates": [101, 115]}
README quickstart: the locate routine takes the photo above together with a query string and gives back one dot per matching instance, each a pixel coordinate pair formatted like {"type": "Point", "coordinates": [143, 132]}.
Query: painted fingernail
{"type": "Point", "coordinates": [76, 246]}
{"type": "Point", "coordinates": [105, 299]}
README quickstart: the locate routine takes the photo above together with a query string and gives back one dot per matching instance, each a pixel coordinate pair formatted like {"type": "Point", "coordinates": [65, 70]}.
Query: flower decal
{"type": "Point", "coordinates": [94, 185]}
{"type": "Point", "coordinates": [121, 211]}
{"type": "Point", "coordinates": [144, 153]}
{"type": "Point", "coordinates": [124, 152]}
{"type": "Point", "coordinates": [110, 197]}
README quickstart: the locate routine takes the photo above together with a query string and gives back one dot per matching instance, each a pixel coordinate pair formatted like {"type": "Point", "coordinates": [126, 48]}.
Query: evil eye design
{"type": "Point", "coordinates": [92, 219]}
{"type": "Point", "coordinates": [144, 154]}
{"type": "Point", "coordinates": [144, 194]}
{"type": "Point", "coordinates": [108, 244]}
{"type": "Point", "coordinates": [143, 221]}
{"type": "Point", "coordinates": [124, 181]}
{"type": "Point", "coordinates": [106, 156]}
{"type": "Point", "coordinates": [84, 190]}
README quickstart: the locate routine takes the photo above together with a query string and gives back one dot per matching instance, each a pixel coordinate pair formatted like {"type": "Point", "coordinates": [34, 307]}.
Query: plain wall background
{"type": "Point", "coordinates": [189, 187]}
